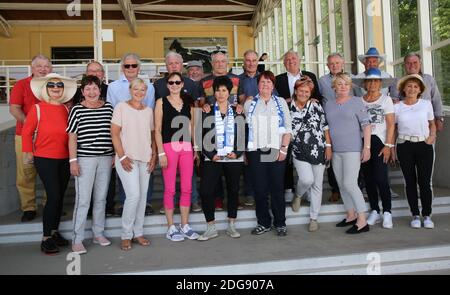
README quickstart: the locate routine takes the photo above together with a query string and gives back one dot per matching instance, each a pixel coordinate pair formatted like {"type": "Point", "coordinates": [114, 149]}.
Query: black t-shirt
{"type": "Point", "coordinates": [169, 115]}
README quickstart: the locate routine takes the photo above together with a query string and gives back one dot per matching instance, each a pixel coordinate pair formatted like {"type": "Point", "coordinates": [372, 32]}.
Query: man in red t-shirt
{"type": "Point", "coordinates": [21, 102]}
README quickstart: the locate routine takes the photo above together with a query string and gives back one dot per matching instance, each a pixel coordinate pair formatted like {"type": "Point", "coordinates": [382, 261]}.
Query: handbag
{"type": "Point", "coordinates": [303, 122]}
{"type": "Point", "coordinates": [38, 114]}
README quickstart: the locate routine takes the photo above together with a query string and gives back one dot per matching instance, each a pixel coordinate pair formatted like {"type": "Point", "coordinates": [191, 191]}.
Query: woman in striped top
{"type": "Point", "coordinates": [91, 151]}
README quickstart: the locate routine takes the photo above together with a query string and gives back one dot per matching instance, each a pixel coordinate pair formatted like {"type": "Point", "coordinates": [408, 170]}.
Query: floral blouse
{"type": "Point", "coordinates": [308, 133]}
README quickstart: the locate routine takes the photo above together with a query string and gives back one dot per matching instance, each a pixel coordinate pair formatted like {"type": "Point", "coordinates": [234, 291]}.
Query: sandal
{"type": "Point", "coordinates": [141, 241]}
{"type": "Point", "coordinates": [125, 245]}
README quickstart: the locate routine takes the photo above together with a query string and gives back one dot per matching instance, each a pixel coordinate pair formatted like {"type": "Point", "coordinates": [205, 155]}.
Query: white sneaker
{"type": "Point", "coordinates": [415, 223]}
{"type": "Point", "coordinates": [428, 223]}
{"type": "Point", "coordinates": [231, 231]}
{"type": "Point", "coordinates": [174, 234]}
{"type": "Point", "coordinates": [288, 195]}
{"type": "Point", "coordinates": [374, 217]}
{"type": "Point", "coordinates": [211, 232]}
{"type": "Point", "coordinates": [188, 232]}
{"type": "Point", "coordinates": [387, 220]}
{"type": "Point", "coordinates": [102, 241]}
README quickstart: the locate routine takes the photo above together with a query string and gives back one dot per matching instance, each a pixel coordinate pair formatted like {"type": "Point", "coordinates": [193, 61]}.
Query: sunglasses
{"type": "Point", "coordinates": [219, 51]}
{"type": "Point", "coordinates": [55, 84]}
{"type": "Point", "coordinates": [174, 82]}
{"type": "Point", "coordinates": [127, 66]}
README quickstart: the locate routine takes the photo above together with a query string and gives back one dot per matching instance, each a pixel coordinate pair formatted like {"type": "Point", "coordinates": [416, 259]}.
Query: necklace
{"type": "Point", "coordinates": [177, 103]}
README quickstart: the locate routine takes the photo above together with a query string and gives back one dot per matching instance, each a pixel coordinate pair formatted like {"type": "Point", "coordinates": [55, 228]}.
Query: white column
{"type": "Point", "coordinates": [271, 55]}
{"type": "Point", "coordinates": [387, 35]}
{"type": "Point", "coordinates": [346, 34]}
{"type": "Point", "coordinates": [284, 19]}
{"type": "Point", "coordinates": [307, 36]}
{"type": "Point", "coordinates": [294, 26]}
{"type": "Point", "coordinates": [425, 37]}
{"type": "Point", "coordinates": [359, 25]}
{"type": "Point", "coordinates": [236, 44]}
{"type": "Point", "coordinates": [322, 38]}
{"type": "Point", "coordinates": [277, 39]}
{"type": "Point", "coordinates": [260, 42]}
{"type": "Point", "coordinates": [370, 31]}
{"type": "Point", "coordinates": [264, 43]}
{"type": "Point", "coordinates": [98, 44]}
{"type": "Point", "coordinates": [332, 22]}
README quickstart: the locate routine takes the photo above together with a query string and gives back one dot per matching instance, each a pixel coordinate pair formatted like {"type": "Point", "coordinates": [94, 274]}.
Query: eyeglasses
{"type": "Point", "coordinates": [127, 66]}
{"type": "Point", "coordinates": [174, 82]}
{"type": "Point", "coordinates": [55, 84]}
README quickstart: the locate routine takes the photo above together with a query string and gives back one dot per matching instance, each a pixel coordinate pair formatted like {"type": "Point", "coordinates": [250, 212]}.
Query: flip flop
{"type": "Point", "coordinates": [141, 241]}
{"type": "Point", "coordinates": [125, 245]}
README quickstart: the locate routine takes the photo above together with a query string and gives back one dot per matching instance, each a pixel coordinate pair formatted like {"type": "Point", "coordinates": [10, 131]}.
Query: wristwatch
{"type": "Point", "coordinates": [440, 119]}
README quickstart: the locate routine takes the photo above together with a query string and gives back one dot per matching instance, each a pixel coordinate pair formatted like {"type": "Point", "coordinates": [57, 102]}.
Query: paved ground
{"type": "Point", "coordinates": [163, 254]}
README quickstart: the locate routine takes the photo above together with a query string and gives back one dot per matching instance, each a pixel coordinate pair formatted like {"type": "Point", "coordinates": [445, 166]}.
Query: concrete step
{"type": "Point", "coordinates": [326, 251]}
{"type": "Point", "coordinates": [375, 263]}
{"type": "Point", "coordinates": [156, 224]}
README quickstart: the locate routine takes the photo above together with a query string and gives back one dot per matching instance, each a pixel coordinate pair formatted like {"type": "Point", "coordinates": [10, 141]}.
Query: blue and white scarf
{"type": "Point", "coordinates": [224, 135]}
{"type": "Point", "coordinates": [251, 110]}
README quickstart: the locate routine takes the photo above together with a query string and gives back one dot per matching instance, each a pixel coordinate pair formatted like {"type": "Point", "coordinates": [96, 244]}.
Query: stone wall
{"type": "Point", "coordinates": [441, 175]}
{"type": "Point", "coordinates": [9, 197]}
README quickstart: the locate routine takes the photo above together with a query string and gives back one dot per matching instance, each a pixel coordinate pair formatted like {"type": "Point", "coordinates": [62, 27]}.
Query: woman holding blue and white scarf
{"type": "Point", "coordinates": [223, 148]}
{"type": "Point", "coordinates": [269, 128]}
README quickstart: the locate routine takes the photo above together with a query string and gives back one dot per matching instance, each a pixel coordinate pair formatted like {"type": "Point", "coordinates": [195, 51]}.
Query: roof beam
{"type": "Point", "coordinates": [140, 7]}
{"type": "Point", "coordinates": [6, 27]}
{"type": "Point", "coordinates": [194, 21]}
{"type": "Point", "coordinates": [128, 14]}
{"type": "Point", "coordinates": [241, 3]}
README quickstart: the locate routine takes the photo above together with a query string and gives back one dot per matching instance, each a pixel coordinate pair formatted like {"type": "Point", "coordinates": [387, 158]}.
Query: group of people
{"type": "Point", "coordinates": [256, 124]}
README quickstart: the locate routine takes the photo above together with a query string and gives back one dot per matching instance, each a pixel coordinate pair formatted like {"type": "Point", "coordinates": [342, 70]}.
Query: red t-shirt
{"type": "Point", "coordinates": [52, 140]}
{"type": "Point", "coordinates": [22, 95]}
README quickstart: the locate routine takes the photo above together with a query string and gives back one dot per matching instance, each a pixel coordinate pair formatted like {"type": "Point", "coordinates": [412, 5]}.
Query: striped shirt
{"type": "Point", "coordinates": [93, 129]}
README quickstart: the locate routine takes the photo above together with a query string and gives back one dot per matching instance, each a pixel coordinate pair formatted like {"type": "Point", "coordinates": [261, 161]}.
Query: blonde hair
{"type": "Point", "coordinates": [136, 82]}
{"type": "Point", "coordinates": [341, 76]}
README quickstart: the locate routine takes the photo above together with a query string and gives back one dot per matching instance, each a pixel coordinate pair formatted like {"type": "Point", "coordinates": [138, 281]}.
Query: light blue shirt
{"type": "Point", "coordinates": [119, 91]}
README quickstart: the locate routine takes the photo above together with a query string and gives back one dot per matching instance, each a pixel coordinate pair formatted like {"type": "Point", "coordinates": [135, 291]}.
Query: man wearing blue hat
{"type": "Point", "coordinates": [372, 59]}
